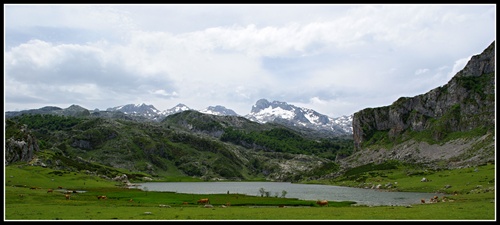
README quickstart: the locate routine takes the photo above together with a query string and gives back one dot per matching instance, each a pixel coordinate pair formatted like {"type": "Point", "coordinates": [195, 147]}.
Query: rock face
{"type": "Point", "coordinates": [21, 147]}
{"type": "Point", "coordinates": [465, 103]}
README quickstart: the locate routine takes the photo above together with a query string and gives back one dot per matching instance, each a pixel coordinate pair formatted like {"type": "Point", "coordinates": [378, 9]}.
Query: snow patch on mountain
{"type": "Point", "coordinates": [148, 111]}
{"type": "Point", "coordinates": [219, 111]}
{"type": "Point", "coordinates": [176, 109]}
{"type": "Point", "coordinates": [264, 111]}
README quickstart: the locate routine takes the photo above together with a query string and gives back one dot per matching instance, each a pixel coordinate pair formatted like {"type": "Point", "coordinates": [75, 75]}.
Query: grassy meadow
{"type": "Point", "coordinates": [471, 194]}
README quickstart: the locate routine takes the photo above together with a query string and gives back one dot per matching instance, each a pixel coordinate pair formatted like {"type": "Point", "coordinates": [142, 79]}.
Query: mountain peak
{"type": "Point", "coordinates": [178, 108]}
{"type": "Point", "coordinates": [263, 104]}
{"type": "Point", "coordinates": [148, 111]}
{"type": "Point", "coordinates": [281, 112]}
{"type": "Point", "coordinates": [219, 110]}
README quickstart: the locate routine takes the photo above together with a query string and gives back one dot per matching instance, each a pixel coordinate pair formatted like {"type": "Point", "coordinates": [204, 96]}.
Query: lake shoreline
{"type": "Point", "coordinates": [362, 196]}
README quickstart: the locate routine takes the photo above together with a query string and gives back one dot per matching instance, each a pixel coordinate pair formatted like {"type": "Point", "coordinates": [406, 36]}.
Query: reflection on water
{"type": "Point", "coordinates": [372, 197]}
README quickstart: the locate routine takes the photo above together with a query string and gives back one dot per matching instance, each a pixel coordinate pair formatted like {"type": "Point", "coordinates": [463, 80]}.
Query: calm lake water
{"type": "Point", "coordinates": [371, 197]}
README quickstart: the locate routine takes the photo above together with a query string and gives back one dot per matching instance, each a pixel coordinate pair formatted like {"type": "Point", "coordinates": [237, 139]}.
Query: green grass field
{"type": "Point", "coordinates": [26, 199]}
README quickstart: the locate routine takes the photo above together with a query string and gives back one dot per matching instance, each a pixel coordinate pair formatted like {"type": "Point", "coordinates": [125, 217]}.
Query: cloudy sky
{"type": "Point", "coordinates": [334, 59]}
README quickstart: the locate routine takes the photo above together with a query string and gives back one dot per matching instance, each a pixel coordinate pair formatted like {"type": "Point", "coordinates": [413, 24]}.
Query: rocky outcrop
{"type": "Point", "coordinates": [465, 103]}
{"type": "Point", "coordinates": [21, 146]}
{"type": "Point", "coordinates": [452, 154]}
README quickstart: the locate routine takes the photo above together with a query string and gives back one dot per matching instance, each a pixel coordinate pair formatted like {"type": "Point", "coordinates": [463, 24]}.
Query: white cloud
{"type": "Point", "coordinates": [458, 66]}
{"type": "Point", "coordinates": [164, 93]}
{"type": "Point", "coordinates": [339, 58]}
{"type": "Point", "coordinates": [421, 71]}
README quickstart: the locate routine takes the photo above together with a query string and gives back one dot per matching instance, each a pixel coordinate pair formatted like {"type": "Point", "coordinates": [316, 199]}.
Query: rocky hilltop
{"type": "Point", "coordinates": [455, 120]}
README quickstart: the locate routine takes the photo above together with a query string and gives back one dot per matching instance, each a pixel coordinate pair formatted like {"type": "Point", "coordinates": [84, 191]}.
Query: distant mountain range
{"type": "Point", "coordinates": [262, 112]}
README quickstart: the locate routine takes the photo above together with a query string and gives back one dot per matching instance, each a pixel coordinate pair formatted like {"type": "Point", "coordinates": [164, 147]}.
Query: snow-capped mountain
{"type": "Point", "coordinates": [280, 112]}
{"type": "Point", "coordinates": [219, 111]}
{"type": "Point", "coordinates": [176, 109]}
{"type": "Point", "coordinates": [147, 111]}
{"type": "Point", "coordinates": [262, 112]}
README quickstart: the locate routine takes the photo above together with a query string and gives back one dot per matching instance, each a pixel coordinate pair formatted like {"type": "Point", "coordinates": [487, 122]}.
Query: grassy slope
{"type": "Point", "coordinates": [23, 203]}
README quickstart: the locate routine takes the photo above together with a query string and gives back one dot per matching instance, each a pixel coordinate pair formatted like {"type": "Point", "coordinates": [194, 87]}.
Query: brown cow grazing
{"type": "Point", "coordinates": [204, 201]}
{"type": "Point", "coordinates": [422, 200]}
{"type": "Point", "coordinates": [50, 190]}
{"type": "Point", "coordinates": [67, 196]}
{"type": "Point", "coordinates": [102, 197]}
{"type": "Point", "coordinates": [322, 202]}
{"type": "Point", "coordinates": [59, 187]}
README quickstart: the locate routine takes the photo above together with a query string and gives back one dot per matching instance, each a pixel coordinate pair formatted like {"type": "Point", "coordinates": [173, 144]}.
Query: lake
{"type": "Point", "coordinates": [370, 197]}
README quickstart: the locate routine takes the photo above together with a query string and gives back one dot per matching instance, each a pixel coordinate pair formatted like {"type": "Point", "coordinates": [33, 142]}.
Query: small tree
{"type": "Point", "coordinates": [283, 193]}
{"type": "Point", "coordinates": [262, 192]}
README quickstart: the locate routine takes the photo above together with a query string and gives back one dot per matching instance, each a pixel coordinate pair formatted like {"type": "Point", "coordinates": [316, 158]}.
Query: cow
{"type": "Point", "coordinates": [422, 200]}
{"type": "Point", "coordinates": [50, 190]}
{"type": "Point", "coordinates": [102, 197]}
{"type": "Point", "coordinates": [67, 196]}
{"type": "Point", "coordinates": [59, 187]}
{"type": "Point", "coordinates": [322, 202]}
{"type": "Point", "coordinates": [204, 201]}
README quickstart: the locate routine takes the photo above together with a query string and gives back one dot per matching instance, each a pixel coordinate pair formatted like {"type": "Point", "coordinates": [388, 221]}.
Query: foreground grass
{"type": "Point", "coordinates": [109, 211]}
{"type": "Point", "coordinates": [24, 203]}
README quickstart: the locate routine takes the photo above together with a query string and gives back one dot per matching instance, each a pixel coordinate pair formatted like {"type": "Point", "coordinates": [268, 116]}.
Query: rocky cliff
{"type": "Point", "coordinates": [21, 145]}
{"type": "Point", "coordinates": [465, 104]}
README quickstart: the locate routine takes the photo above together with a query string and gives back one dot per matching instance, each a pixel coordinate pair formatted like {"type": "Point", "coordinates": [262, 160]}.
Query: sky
{"type": "Point", "coordinates": [336, 59]}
